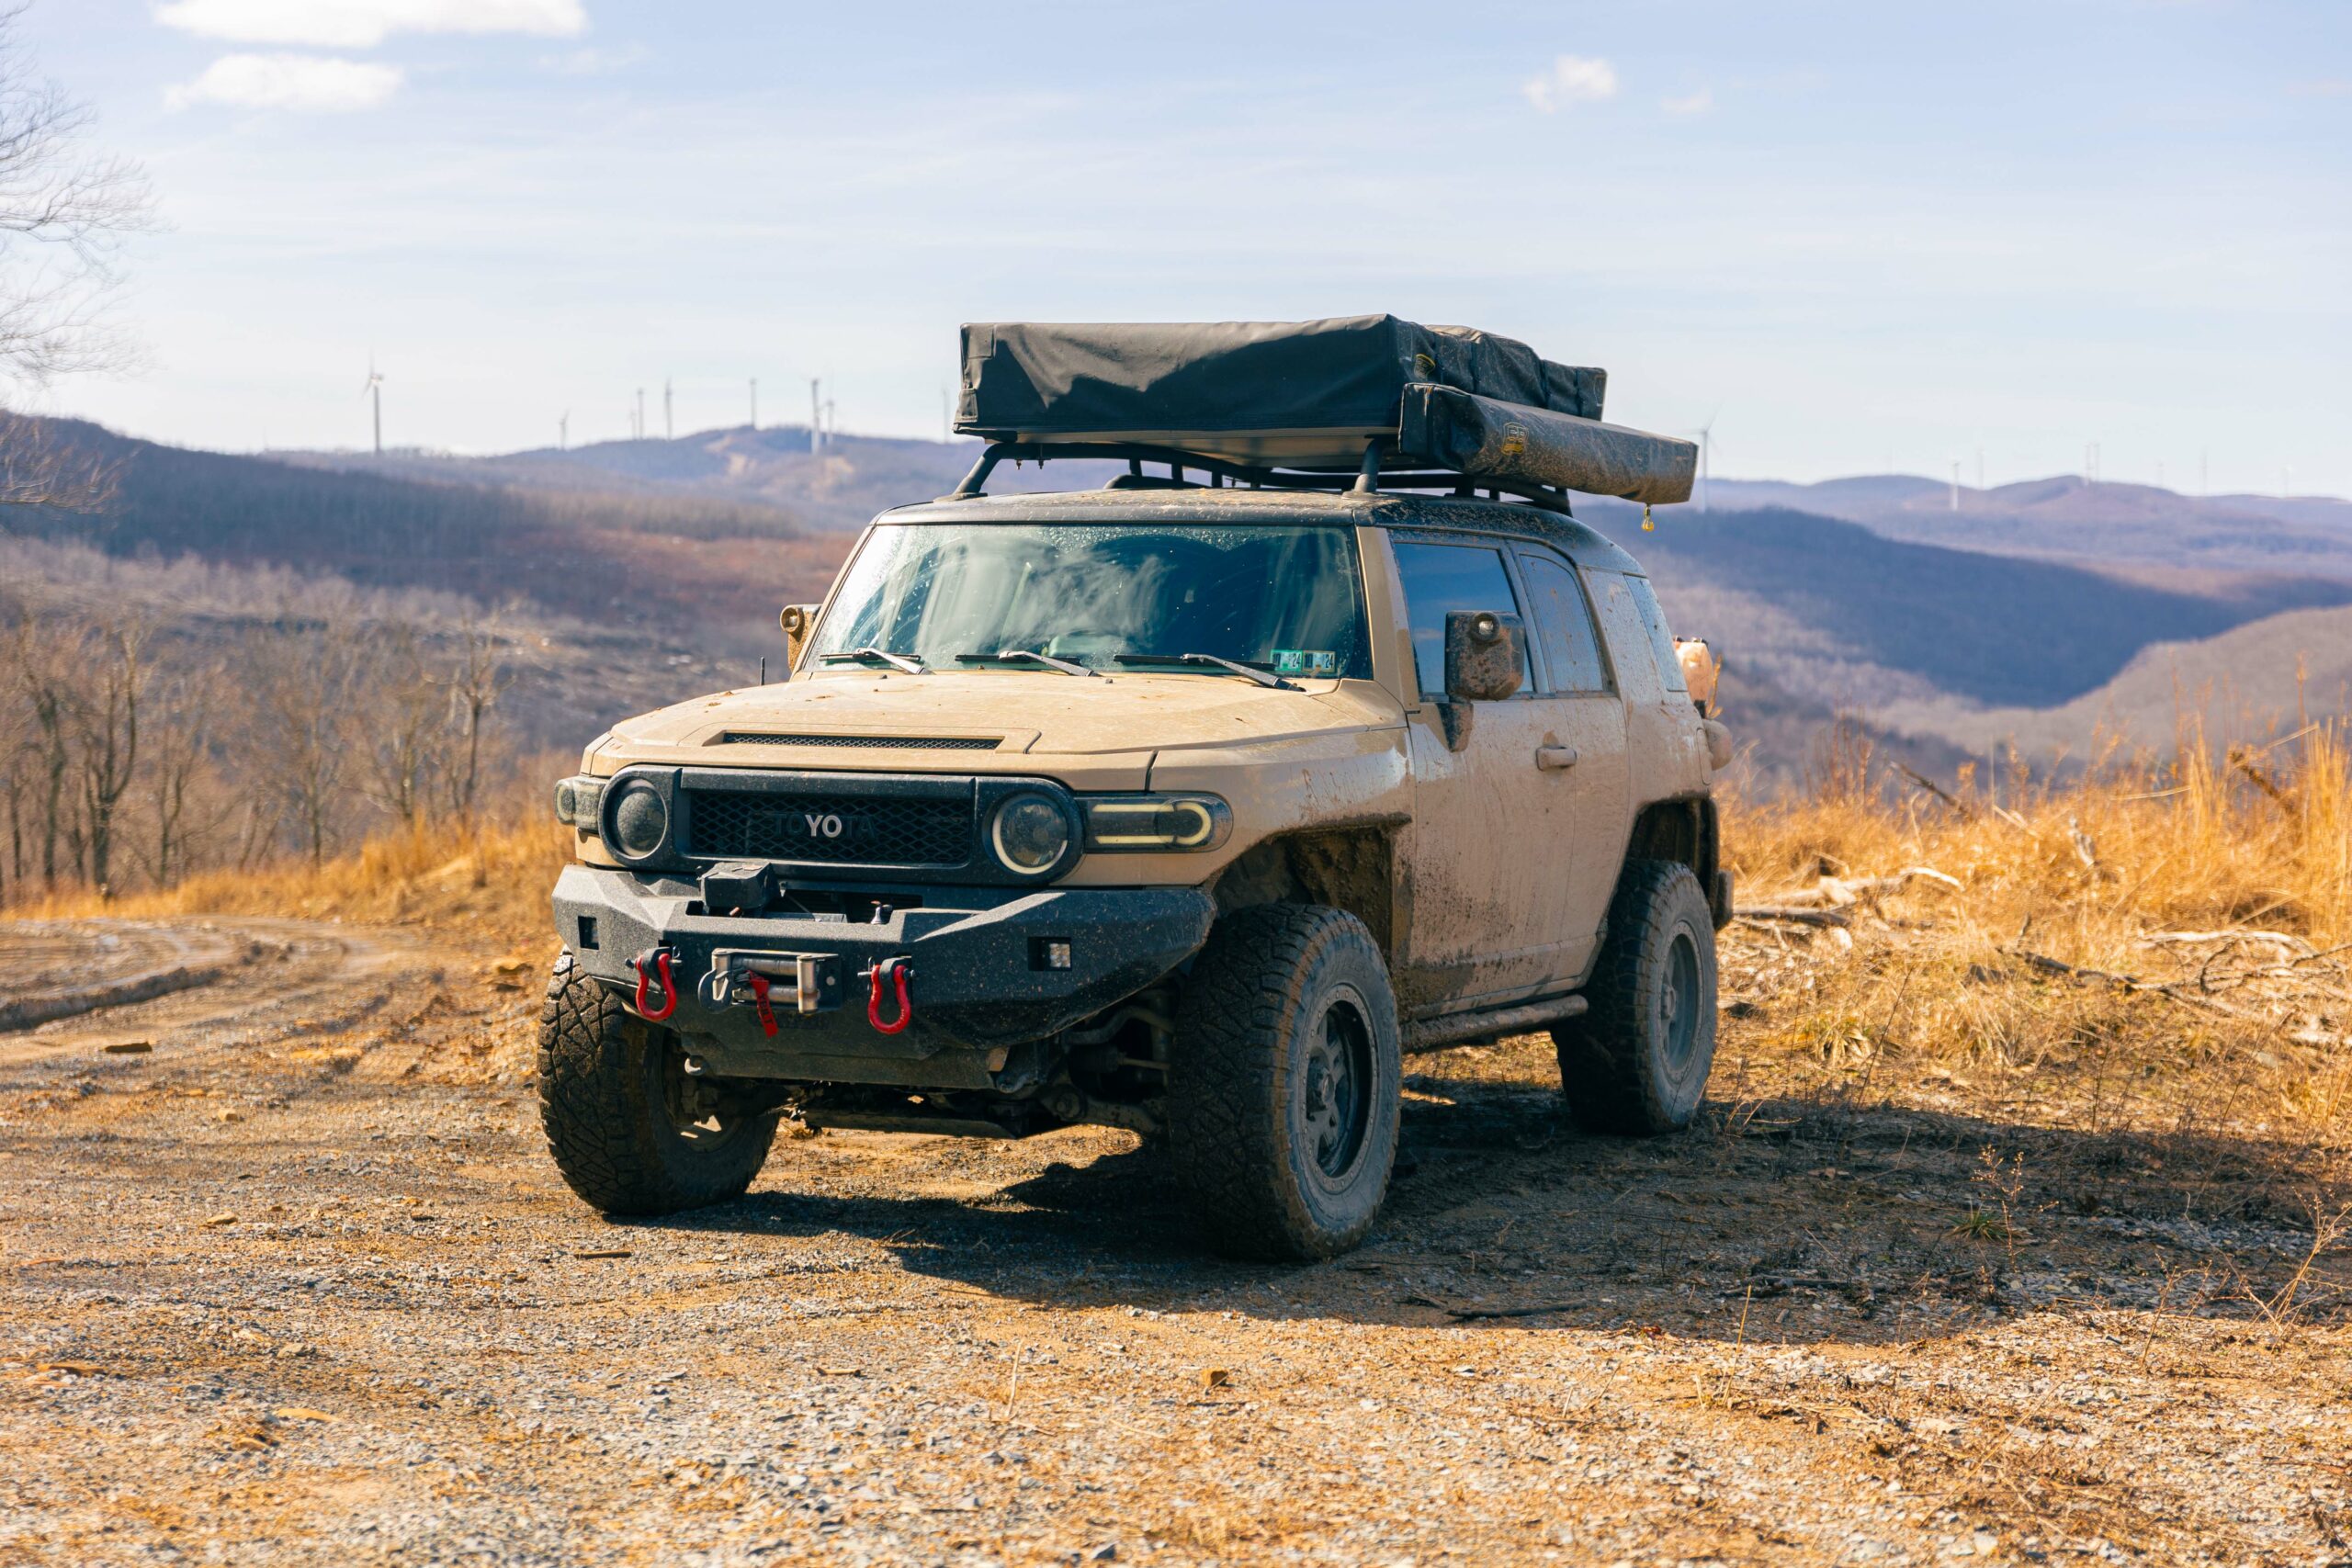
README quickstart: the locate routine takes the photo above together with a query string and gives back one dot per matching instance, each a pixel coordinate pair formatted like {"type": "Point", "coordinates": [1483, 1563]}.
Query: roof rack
{"type": "Point", "coordinates": [1366, 478]}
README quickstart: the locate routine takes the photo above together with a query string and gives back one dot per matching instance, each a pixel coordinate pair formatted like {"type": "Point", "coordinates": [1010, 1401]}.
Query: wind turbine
{"type": "Point", "coordinates": [669, 426]}
{"type": "Point", "coordinates": [374, 388]}
{"type": "Point", "coordinates": [1706, 435]}
{"type": "Point", "coordinates": [563, 431]}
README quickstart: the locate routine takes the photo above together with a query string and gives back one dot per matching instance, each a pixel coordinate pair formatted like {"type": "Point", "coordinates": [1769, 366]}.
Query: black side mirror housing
{"type": "Point", "coordinates": [1486, 655]}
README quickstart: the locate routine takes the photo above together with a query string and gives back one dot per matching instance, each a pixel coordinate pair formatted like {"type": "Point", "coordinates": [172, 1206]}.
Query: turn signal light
{"type": "Point", "coordinates": [1143, 824]}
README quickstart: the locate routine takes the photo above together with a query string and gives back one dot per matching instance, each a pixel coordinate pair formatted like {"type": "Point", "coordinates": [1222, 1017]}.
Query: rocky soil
{"type": "Point", "coordinates": [286, 1277]}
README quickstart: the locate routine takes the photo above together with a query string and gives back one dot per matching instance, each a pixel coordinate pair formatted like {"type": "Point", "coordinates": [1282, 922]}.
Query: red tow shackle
{"type": "Point", "coordinates": [660, 958]}
{"type": "Point", "coordinates": [900, 970]}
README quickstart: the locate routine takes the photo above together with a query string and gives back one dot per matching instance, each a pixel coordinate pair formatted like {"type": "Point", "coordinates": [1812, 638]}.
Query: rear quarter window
{"type": "Point", "coordinates": [1653, 615]}
{"type": "Point", "coordinates": [1632, 649]}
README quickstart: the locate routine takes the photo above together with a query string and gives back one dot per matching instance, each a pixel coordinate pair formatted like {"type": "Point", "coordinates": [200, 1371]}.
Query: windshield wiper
{"type": "Point", "coordinates": [906, 661]}
{"type": "Point", "coordinates": [1235, 665]}
{"type": "Point", "coordinates": [1067, 666]}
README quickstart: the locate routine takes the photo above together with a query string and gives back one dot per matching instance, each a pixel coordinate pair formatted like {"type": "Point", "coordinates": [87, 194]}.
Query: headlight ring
{"type": "Point", "coordinates": [1031, 833]}
{"type": "Point", "coordinates": [641, 820]}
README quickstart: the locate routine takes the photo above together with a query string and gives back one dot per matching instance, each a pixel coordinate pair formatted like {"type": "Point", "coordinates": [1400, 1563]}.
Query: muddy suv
{"type": "Point", "coordinates": [1187, 805]}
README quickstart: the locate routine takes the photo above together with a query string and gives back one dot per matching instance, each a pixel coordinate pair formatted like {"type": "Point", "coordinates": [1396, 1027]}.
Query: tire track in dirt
{"type": "Point", "coordinates": [274, 978]}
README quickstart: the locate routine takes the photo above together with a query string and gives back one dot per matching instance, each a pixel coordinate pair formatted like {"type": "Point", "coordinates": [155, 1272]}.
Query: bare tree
{"type": "Point", "coordinates": [106, 722]}
{"type": "Point", "coordinates": [180, 744]}
{"type": "Point", "coordinates": [475, 686]}
{"type": "Point", "coordinates": [398, 730]}
{"type": "Point", "coordinates": [304, 680]}
{"type": "Point", "coordinates": [65, 212]}
{"type": "Point", "coordinates": [44, 656]}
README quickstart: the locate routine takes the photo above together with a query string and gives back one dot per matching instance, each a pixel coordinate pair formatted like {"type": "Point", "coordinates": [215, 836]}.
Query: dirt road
{"type": "Point", "coordinates": [296, 1283]}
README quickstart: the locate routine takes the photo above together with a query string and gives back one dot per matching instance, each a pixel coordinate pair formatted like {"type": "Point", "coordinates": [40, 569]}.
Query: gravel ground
{"type": "Point", "coordinates": [297, 1284]}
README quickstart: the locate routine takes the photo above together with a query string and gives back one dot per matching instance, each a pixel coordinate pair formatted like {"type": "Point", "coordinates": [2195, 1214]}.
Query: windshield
{"type": "Point", "coordinates": [1284, 599]}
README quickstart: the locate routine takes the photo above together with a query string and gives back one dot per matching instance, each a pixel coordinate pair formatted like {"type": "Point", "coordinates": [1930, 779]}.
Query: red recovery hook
{"type": "Point", "coordinates": [900, 970]}
{"type": "Point", "coordinates": [660, 958]}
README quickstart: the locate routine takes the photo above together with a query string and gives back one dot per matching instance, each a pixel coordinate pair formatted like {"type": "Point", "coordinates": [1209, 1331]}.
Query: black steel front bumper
{"type": "Point", "coordinates": [982, 964]}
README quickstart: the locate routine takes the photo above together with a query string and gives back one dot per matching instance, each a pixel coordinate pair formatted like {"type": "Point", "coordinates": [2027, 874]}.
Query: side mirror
{"type": "Point", "coordinates": [1486, 655]}
{"type": "Point", "coordinates": [799, 621]}
{"type": "Point", "coordinates": [1701, 671]}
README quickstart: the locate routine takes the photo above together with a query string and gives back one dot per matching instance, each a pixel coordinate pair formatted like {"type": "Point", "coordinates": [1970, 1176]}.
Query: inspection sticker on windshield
{"type": "Point", "coordinates": [1306, 661]}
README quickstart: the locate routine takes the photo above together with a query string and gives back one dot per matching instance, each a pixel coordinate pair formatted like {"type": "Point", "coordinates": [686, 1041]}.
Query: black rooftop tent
{"type": "Point", "coordinates": [1311, 397]}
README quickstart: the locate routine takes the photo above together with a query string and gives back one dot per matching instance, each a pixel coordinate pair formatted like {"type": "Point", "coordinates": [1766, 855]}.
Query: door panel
{"type": "Point", "coordinates": [1487, 854]}
{"type": "Point", "coordinates": [1588, 799]}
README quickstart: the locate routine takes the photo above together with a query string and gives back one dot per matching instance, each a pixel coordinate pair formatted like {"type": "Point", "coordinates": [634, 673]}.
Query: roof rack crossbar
{"type": "Point", "coordinates": [1367, 477]}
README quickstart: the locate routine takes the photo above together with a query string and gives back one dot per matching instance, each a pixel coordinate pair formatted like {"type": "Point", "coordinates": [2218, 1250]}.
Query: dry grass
{"type": "Point", "coordinates": [489, 882]}
{"type": "Point", "coordinates": [2154, 963]}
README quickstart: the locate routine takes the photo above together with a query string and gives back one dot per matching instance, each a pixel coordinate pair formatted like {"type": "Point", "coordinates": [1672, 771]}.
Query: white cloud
{"type": "Point", "coordinates": [1572, 79]}
{"type": "Point", "coordinates": [307, 83]}
{"type": "Point", "coordinates": [1699, 102]}
{"type": "Point", "coordinates": [363, 24]}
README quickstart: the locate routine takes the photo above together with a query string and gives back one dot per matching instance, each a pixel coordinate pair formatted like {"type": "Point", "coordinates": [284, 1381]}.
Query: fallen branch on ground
{"type": "Point", "coordinates": [2191, 938]}
{"type": "Point", "coordinates": [1758, 914]}
{"type": "Point", "coordinates": [2050, 965]}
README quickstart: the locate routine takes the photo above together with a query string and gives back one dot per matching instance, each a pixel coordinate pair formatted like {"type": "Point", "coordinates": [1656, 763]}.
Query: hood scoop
{"type": "Point", "coordinates": [867, 741]}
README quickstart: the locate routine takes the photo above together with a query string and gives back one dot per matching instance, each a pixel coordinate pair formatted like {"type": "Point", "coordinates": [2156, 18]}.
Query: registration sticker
{"type": "Point", "coordinates": [1306, 661]}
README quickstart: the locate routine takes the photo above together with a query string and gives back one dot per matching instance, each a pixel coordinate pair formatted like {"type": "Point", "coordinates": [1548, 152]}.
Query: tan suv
{"type": "Point", "coordinates": [1177, 805]}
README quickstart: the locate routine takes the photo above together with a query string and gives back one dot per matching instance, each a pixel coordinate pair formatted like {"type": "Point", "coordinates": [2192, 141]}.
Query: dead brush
{"type": "Point", "coordinates": [2142, 976]}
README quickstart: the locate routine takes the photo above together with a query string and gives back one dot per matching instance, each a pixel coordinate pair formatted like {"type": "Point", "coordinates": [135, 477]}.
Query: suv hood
{"type": "Point", "coordinates": [989, 721]}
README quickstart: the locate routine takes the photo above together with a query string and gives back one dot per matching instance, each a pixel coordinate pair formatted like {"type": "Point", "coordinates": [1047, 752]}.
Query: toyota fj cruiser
{"type": "Point", "coordinates": [1187, 804]}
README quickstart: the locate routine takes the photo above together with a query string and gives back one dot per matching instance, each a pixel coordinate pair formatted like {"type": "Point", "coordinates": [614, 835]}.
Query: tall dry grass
{"type": "Point", "coordinates": [488, 882]}
{"type": "Point", "coordinates": [2149, 953]}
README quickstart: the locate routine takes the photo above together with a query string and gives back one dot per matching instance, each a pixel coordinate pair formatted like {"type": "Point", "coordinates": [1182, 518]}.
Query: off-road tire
{"type": "Point", "coordinates": [606, 1111]}
{"type": "Point", "coordinates": [1628, 1066]}
{"type": "Point", "coordinates": [1269, 1016]}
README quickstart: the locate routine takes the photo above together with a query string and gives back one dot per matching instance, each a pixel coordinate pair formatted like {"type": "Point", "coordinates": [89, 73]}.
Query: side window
{"type": "Point", "coordinates": [1442, 578]}
{"type": "Point", "coordinates": [1564, 624]}
{"type": "Point", "coordinates": [1661, 640]}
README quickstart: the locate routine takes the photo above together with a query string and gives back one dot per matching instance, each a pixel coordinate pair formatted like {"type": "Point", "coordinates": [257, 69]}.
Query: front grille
{"type": "Point", "coordinates": [893, 742]}
{"type": "Point", "coordinates": [829, 830]}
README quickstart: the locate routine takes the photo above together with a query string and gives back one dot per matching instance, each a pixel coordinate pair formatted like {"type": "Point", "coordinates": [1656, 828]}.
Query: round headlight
{"type": "Point", "coordinates": [1031, 833]}
{"type": "Point", "coordinates": [641, 820]}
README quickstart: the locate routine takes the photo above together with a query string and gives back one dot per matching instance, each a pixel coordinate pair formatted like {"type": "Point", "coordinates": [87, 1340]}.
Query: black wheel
{"type": "Point", "coordinates": [631, 1131]}
{"type": "Point", "coordinates": [1282, 1092]}
{"type": "Point", "coordinates": [1638, 1062]}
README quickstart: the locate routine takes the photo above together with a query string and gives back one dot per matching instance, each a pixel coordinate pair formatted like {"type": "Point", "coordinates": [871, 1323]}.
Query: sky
{"type": "Point", "coordinates": [1887, 236]}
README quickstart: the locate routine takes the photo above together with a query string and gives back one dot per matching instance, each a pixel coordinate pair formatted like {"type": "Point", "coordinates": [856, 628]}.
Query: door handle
{"type": "Point", "coordinates": [1551, 759]}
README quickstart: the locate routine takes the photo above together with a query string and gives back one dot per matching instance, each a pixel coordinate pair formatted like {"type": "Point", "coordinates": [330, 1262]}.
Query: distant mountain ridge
{"type": "Point", "coordinates": [840, 485]}
{"type": "Point", "coordinates": [2069, 518]}
{"type": "Point", "coordinates": [2035, 613]}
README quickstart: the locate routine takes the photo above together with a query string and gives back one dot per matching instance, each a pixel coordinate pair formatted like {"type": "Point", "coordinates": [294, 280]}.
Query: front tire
{"type": "Point", "coordinates": [1283, 1093]}
{"type": "Point", "coordinates": [631, 1131]}
{"type": "Point", "coordinates": [1638, 1062]}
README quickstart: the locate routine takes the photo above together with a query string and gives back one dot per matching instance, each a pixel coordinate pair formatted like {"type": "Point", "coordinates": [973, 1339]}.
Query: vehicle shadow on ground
{"type": "Point", "coordinates": [1789, 1219]}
